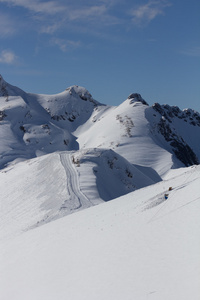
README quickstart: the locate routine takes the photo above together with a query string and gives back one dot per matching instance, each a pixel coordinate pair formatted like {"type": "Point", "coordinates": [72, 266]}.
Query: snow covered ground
{"type": "Point", "coordinates": [62, 159]}
{"type": "Point", "coordinates": [139, 246]}
{"type": "Point", "coordinates": [54, 185]}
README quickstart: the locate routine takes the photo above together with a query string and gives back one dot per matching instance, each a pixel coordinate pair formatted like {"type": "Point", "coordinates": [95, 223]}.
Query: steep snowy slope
{"type": "Point", "coordinates": [125, 130]}
{"type": "Point", "coordinates": [139, 246]}
{"type": "Point", "coordinates": [114, 175]}
{"type": "Point", "coordinates": [49, 187]}
{"type": "Point", "coordinates": [147, 136]}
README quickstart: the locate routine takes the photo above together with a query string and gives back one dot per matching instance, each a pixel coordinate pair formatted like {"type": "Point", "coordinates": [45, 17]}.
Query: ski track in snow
{"type": "Point", "coordinates": [76, 196]}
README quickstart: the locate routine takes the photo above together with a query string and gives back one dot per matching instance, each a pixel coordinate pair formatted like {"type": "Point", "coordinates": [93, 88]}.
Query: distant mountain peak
{"type": "Point", "coordinates": [170, 112]}
{"type": "Point", "coordinates": [1, 78]}
{"type": "Point", "coordinates": [7, 89]}
{"type": "Point", "coordinates": [82, 92]}
{"type": "Point", "coordinates": [135, 97]}
{"type": "Point", "coordinates": [3, 84]}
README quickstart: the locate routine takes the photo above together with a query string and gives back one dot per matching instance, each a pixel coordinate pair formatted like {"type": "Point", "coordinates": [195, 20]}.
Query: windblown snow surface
{"type": "Point", "coordinates": [54, 185]}
{"type": "Point", "coordinates": [139, 246]}
{"type": "Point", "coordinates": [62, 159]}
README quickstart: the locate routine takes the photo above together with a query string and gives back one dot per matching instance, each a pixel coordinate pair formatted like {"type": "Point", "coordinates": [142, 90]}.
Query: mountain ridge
{"type": "Point", "coordinates": [72, 120]}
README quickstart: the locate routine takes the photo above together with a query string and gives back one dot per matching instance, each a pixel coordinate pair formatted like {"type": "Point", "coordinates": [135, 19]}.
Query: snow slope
{"type": "Point", "coordinates": [159, 137]}
{"type": "Point", "coordinates": [54, 185]}
{"type": "Point", "coordinates": [125, 129]}
{"type": "Point", "coordinates": [139, 246]}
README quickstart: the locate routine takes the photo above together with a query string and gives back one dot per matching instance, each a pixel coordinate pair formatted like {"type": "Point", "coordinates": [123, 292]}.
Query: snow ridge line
{"type": "Point", "coordinates": [73, 187]}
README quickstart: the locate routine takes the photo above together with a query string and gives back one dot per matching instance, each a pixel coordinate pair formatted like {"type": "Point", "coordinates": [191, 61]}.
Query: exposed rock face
{"type": "Point", "coordinates": [180, 148]}
{"type": "Point", "coordinates": [3, 91]}
{"type": "Point", "coordinates": [76, 90]}
{"type": "Point", "coordinates": [169, 112]}
{"type": "Point", "coordinates": [135, 97]}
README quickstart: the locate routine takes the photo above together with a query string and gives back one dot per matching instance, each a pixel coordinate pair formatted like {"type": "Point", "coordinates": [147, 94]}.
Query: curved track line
{"type": "Point", "coordinates": [76, 198]}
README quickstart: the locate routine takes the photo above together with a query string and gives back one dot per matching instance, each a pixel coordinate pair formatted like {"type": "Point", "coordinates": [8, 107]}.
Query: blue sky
{"type": "Point", "coordinates": [111, 47]}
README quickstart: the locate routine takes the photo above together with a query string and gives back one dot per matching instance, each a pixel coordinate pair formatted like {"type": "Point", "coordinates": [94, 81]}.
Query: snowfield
{"type": "Point", "coordinates": [138, 246]}
{"type": "Point", "coordinates": [54, 185]}
{"type": "Point", "coordinates": [97, 202]}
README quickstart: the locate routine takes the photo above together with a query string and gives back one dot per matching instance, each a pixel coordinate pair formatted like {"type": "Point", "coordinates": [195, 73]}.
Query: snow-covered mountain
{"type": "Point", "coordinates": [33, 125]}
{"type": "Point", "coordinates": [111, 151]}
{"type": "Point", "coordinates": [60, 154]}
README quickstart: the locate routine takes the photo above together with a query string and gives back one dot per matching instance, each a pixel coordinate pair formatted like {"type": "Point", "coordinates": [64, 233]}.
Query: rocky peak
{"type": "Point", "coordinates": [165, 127]}
{"type": "Point", "coordinates": [135, 97]}
{"type": "Point", "coordinates": [3, 91]}
{"type": "Point", "coordinates": [1, 79]}
{"type": "Point", "coordinates": [170, 112]}
{"type": "Point", "coordinates": [81, 92]}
